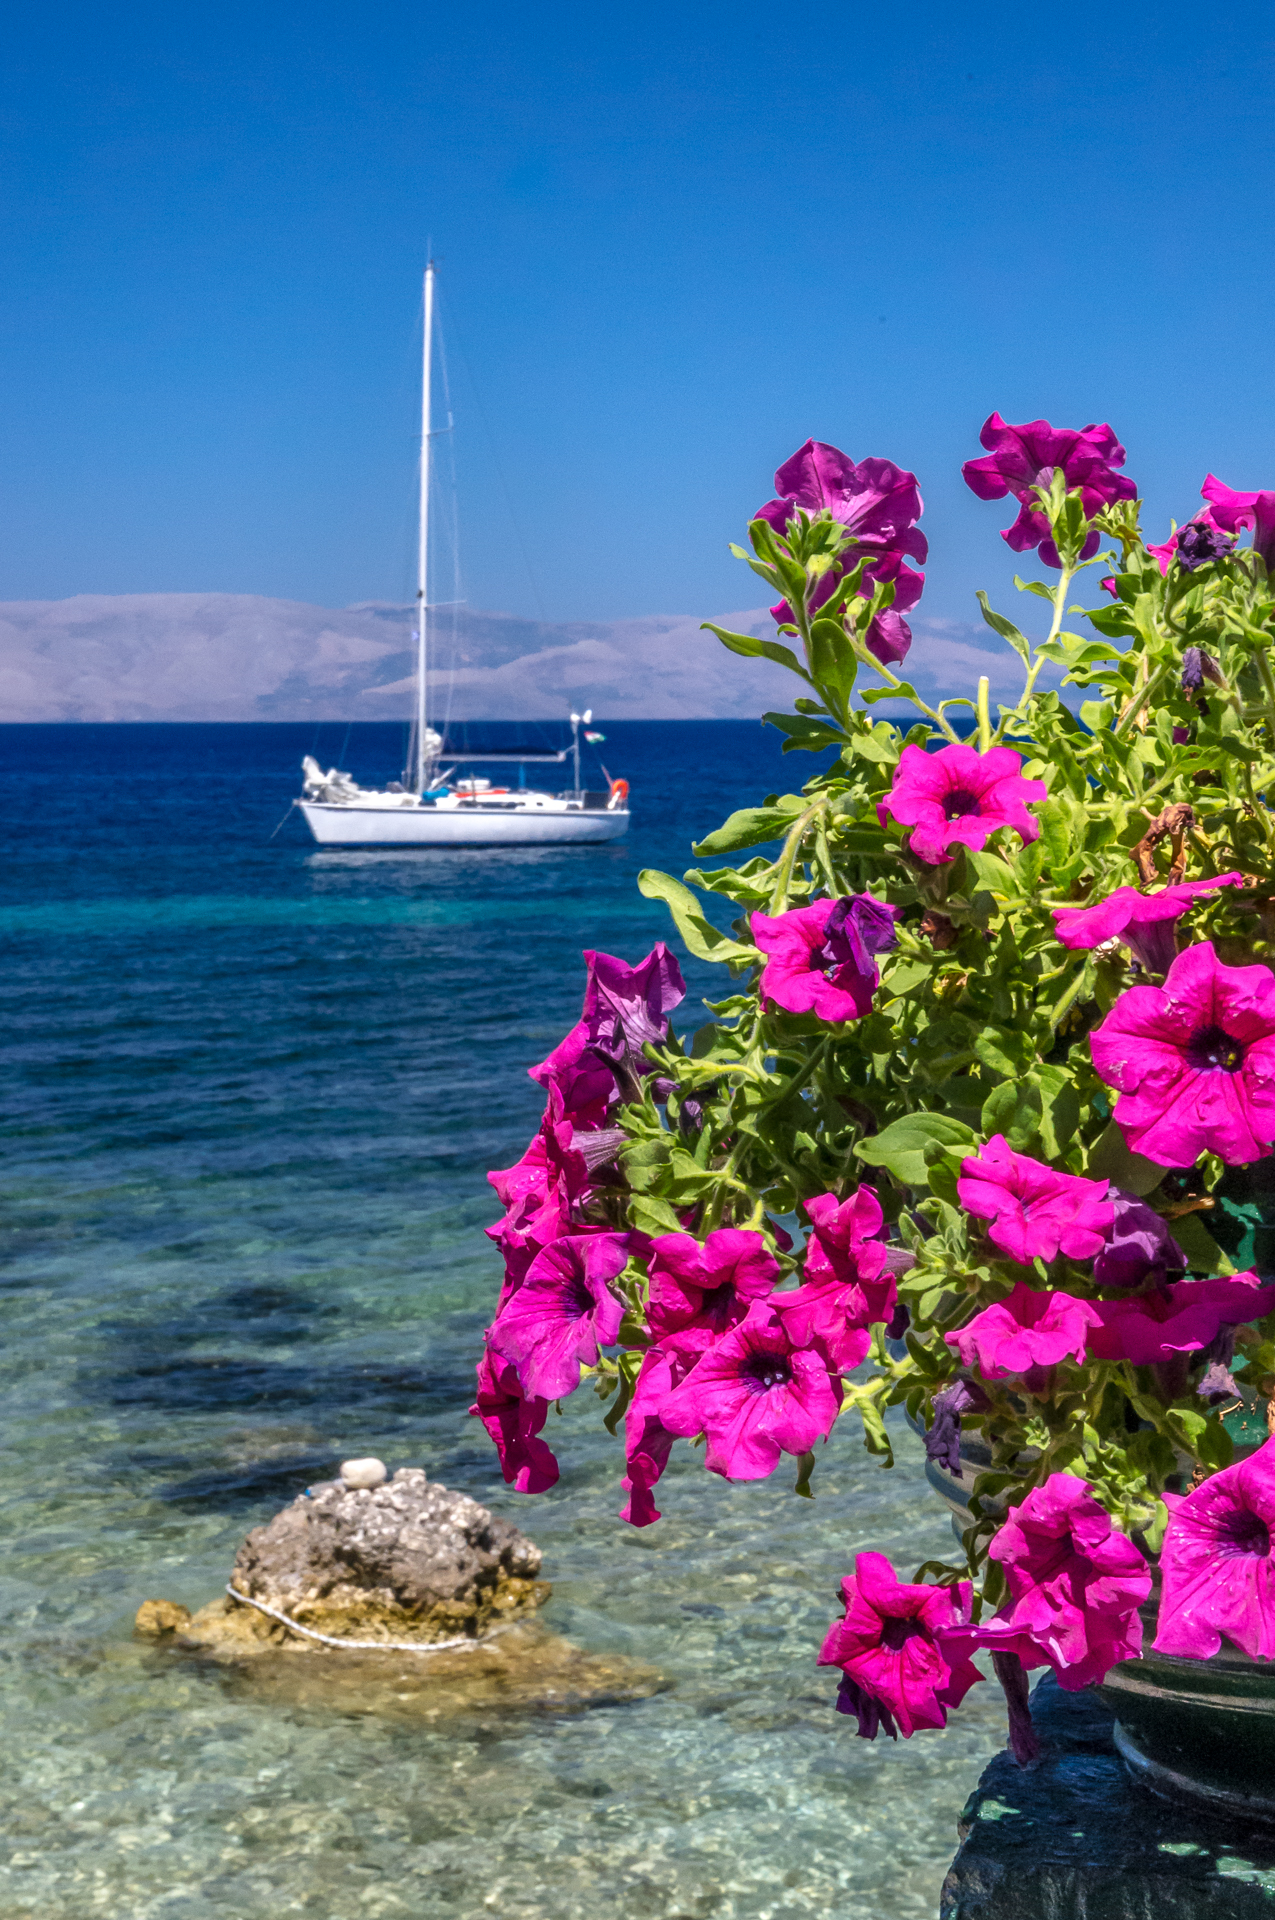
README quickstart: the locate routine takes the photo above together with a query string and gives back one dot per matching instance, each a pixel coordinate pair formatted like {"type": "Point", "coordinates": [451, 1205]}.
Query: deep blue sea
{"type": "Point", "coordinates": [252, 1090]}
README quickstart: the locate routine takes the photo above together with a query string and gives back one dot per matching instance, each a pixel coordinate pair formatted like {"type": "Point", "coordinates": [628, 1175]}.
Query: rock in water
{"type": "Point", "coordinates": [363, 1473]}
{"type": "Point", "coordinates": [401, 1560]}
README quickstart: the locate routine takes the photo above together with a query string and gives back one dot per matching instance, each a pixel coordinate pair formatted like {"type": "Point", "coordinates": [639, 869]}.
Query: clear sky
{"type": "Point", "coordinates": [675, 240]}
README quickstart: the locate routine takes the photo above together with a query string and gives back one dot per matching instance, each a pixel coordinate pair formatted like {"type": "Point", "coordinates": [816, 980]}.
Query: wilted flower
{"type": "Point", "coordinates": [848, 1284]}
{"type": "Point", "coordinates": [1138, 1246]}
{"type": "Point", "coordinates": [1035, 1212]}
{"type": "Point", "coordinates": [624, 1008]}
{"type": "Point", "coordinates": [900, 1672]}
{"type": "Point", "coordinates": [959, 796]}
{"type": "Point", "coordinates": [821, 956]}
{"type": "Point", "coordinates": [1150, 1329]}
{"type": "Point", "coordinates": [1217, 1574]}
{"type": "Point", "coordinates": [513, 1423]}
{"type": "Point", "coordinates": [943, 1438]}
{"type": "Point", "coordinates": [1025, 1335]}
{"type": "Point", "coordinates": [707, 1288]}
{"type": "Point", "coordinates": [1075, 1584]}
{"type": "Point", "coordinates": [563, 1312]}
{"type": "Point", "coordinates": [1194, 1061]}
{"type": "Point", "coordinates": [754, 1395]}
{"type": "Point", "coordinates": [1233, 510]}
{"type": "Point", "coordinates": [1197, 667]}
{"type": "Point", "coordinates": [1144, 922]}
{"type": "Point", "coordinates": [1199, 541]}
{"type": "Point", "coordinates": [1025, 457]}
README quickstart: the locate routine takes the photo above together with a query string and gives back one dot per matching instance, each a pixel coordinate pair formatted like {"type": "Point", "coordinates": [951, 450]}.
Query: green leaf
{"type": "Point", "coordinates": [1014, 1109]}
{"type": "Point", "coordinates": [1202, 1251]}
{"type": "Point", "coordinates": [750, 645]}
{"type": "Point", "coordinates": [1006, 628]}
{"type": "Point", "coordinates": [750, 826]}
{"type": "Point", "coordinates": [810, 736]}
{"type": "Point", "coordinates": [1005, 1051]}
{"type": "Point", "coordinates": [653, 1216]}
{"type": "Point", "coordinates": [805, 1467]}
{"type": "Point", "coordinates": [701, 936]}
{"type": "Point", "coordinates": [1110, 1159]}
{"type": "Point", "coordinates": [900, 1147]}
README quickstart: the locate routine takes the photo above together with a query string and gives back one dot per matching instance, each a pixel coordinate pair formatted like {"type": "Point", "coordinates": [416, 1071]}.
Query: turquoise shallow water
{"type": "Point", "coordinates": [252, 1093]}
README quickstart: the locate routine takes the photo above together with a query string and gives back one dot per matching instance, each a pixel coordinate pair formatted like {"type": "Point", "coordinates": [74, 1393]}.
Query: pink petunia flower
{"type": "Point", "coordinates": [1150, 1329]}
{"type": "Point", "coordinates": [707, 1288]}
{"type": "Point", "coordinates": [1231, 511]}
{"type": "Point", "coordinates": [821, 956]}
{"type": "Point", "coordinates": [540, 1193]}
{"type": "Point", "coordinates": [847, 1285]}
{"type": "Point", "coordinates": [1216, 1568]}
{"type": "Point", "coordinates": [959, 796]}
{"type": "Point", "coordinates": [754, 1395]}
{"type": "Point", "coordinates": [1025, 1335]}
{"type": "Point", "coordinates": [513, 1423]}
{"type": "Point", "coordinates": [1035, 1212]}
{"type": "Point", "coordinates": [1143, 921]}
{"type": "Point", "coordinates": [1075, 1585]}
{"type": "Point", "coordinates": [876, 502]}
{"type": "Point", "coordinates": [899, 1670]}
{"type": "Point", "coordinates": [1194, 1061]}
{"type": "Point", "coordinates": [624, 1008]}
{"type": "Point", "coordinates": [563, 1312]}
{"type": "Point", "coordinates": [647, 1441]}
{"type": "Point", "coordinates": [1022, 458]}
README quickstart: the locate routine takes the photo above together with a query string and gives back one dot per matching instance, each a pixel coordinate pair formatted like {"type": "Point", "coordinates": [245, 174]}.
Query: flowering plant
{"type": "Point", "coordinates": [998, 1020]}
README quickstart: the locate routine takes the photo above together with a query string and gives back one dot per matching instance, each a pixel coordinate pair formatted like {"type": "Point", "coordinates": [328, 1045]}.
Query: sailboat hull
{"type": "Point", "coordinates": [427, 826]}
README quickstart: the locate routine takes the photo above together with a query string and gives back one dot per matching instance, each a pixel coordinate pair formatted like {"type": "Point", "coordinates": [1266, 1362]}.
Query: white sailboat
{"type": "Point", "coordinates": [430, 806]}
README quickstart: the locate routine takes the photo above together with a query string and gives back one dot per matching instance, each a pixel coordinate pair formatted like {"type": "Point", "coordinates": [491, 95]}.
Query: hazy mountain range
{"type": "Point", "coordinates": [238, 656]}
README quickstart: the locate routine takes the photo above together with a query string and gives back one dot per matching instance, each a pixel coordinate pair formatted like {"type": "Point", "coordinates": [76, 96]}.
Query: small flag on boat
{"type": "Point", "coordinates": [593, 738]}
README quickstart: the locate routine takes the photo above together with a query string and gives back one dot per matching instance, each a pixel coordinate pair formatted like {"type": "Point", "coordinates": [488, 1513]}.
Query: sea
{"type": "Point", "coordinates": [252, 1092]}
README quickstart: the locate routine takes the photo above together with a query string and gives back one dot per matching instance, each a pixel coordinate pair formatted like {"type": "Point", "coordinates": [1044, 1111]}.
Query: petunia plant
{"type": "Point", "coordinates": [996, 1032]}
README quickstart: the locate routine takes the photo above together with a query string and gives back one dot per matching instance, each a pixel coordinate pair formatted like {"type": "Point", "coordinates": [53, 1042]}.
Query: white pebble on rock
{"type": "Point", "coordinates": [363, 1473]}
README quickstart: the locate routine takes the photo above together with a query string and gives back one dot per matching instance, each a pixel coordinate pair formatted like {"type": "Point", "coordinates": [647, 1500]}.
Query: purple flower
{"type": "Point", "coordinates": [624, 1008]}
{"type": "Point", "coordinates": [848, 1284]}
{"type": "Point", "coordinates": [1232, 510]}
{"type": "Point", "coordinates": [876, 502]}
{"type": "Point", "coordinates": [1138, 1246]}
{"type": "Point", "coordinates": [1152, 1329]}
{"type": "Point", "coordinates": [943, 1439]}
{"type": "Point", "coordinates": [1035, 1212]}
{"type": "Point", "coordinates": [1216, 1569]}
{"type": "Point", "coordinates": [1194, 1062]}
{"type": "Point", "coordinates": [1023, 1336]}
{"type": "Point", "coordinates": [647, 1441]}
{"type": "Point", "coordinates": [706, 1288]}
{"type": "Point", "coordinates": [563, 1312]}
{"type": "Point", "coordinates": [821, 956]}
{"type": "Point", "coordinates": [1023, 458]}
{"type": "Point", "coordinates": [1197, 667]}
{"type": "Point", "coordinates": [513, 1423]}
{"type": "Point", "coordinates": [960, 796]}
{"type": "Point", "coordinates": [900, 1671]}
{"type": "Point", "coordinates": [754, 1395]}
{"type": "Point", "coordinates": [1200, 540]}
{"type": "Point", "coordinates": [1143, 921]}
{"type": "Point", "coordinates": [1075, 1584]}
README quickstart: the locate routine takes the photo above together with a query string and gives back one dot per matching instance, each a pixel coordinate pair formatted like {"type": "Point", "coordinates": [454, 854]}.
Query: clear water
{"type": "Point", "coordinates": [252, 1092]}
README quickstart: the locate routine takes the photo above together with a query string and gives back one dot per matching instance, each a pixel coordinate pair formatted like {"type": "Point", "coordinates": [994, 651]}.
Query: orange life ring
{"type": "Point", "coordinates": [619, 793]}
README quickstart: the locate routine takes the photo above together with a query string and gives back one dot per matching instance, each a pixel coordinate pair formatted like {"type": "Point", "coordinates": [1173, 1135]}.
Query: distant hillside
{"type": "Point", "coordinates": [232, 656]}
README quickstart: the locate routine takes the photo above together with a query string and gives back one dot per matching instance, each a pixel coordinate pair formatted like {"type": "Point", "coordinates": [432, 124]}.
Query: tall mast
{"type": "Point", "coordinates": [422, 561]}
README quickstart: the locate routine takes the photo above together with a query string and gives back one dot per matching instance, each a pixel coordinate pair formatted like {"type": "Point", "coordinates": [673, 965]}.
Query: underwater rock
{"type": "Point", "coordinates": [155, 1618]}
{"type": "Point", "coordinates": [403, 1560]}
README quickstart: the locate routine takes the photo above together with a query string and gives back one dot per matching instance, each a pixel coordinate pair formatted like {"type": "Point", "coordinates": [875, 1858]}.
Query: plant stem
{"type": "Point", "coordinates": [984, 715]}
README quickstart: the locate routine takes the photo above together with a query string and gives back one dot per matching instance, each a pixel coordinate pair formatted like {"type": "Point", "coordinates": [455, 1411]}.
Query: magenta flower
{"type": "Point", "coordinates": [540, 1193]}
{"type": "Point", "coordinates": [1143, 921]}
{"type": "Point", "coordinates": [821, 956]}
{"type": "Point", "coordinates": [1194, 1061]}
{"type": "Point", "coordinates": [1023, 1336]}
{"type": "Point", "coordinates": [900, 1671]}
{"type": "Point", "coordinates": [706, 1289]}
{"type": "Point", "coordinates": [514, 1424]}
{"type": "Point", "coordinates": [1035, 1213]}
{"type": "Point", "coordinates": [960, 796]}
{"type": "Point", "coordinates": [848, 1284]}
{"type": "Point", "coordinates": [1075, 1584]}
{"type": "Point", "coordinates": [876, 502]}
{"type": "Point", "coordinates": [647, 1441]}
{"type": "Point", "coordinates": [624, 1008]}
{"type": "Point", "coordinates": [1150, 1329]}
{"type": "Point", "coordinates": [1217, 1575]}
{"type": "Point", "coordinates": [1022, 458]}
{"type": "Point", "coordinates": [1138, 1246]}
{"type": "Point", "coordinates": [754, 1395]}
{"type": "Point", "coordinates": [1231, 511]}
{"type": "Point", "coordinates": [563, 1312]}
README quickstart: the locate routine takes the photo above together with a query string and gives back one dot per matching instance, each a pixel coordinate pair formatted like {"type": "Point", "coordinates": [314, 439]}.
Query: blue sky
{"type": "Point", "coordinates": [676, 240]}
